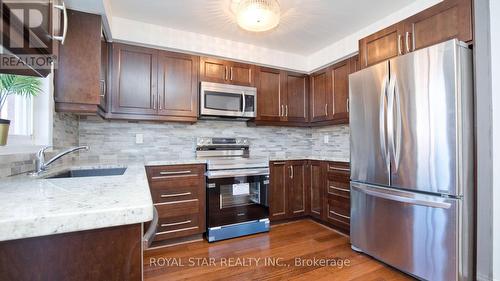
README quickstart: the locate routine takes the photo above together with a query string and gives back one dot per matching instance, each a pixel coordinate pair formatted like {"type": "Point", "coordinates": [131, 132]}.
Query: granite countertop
{"type": "Point", "coordinates": [31, 207]}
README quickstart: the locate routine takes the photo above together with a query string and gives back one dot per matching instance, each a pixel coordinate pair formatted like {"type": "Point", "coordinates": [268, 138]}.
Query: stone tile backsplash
{"type": "Point", "coordinates": [114, 141]}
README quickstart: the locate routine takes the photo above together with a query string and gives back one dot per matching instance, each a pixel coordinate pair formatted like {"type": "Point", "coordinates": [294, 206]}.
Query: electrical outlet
{"type": "Point", "coordinates": [326, 138]}
{"type": "Point", "coordinates": [139, 138]}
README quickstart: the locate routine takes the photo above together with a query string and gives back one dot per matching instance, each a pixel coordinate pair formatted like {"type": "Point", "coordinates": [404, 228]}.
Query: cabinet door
{"type": "Point", "coordinates": [77, 76]}
{"type": "Point", "coordinates": [316, 189]}
{"type": "Point", "coordinates": [340, 84]}
{"type": "Point", "coordinates": [278, 204]}
{"type": "Point", "coordinates": [319, 96]}
{"type": "Point", "coordinates": [213, 70]}
{"type": "Point", "coordinates": [296, 175]}
{"type": "Point", "coordinates": [382, 45]}
{"type": "Point", "coordinates": [177, 84]}
{"type": "Point", "coordinates": [296, 107]}
{"type": "Point", "coordinates": [354, 64]}
{"type": "Point", "coordinates": [270, 95]}
{"type": "Point", "coordinates": [241, 74]}
{"type": "Point", "coordinates": [134, 80]}
{"type": "Point", "coordinates": [446, 20]}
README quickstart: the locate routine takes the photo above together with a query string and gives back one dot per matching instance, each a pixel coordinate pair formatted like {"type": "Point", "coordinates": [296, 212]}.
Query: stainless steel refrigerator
{"type": "Point", "coordinates": [412, 162]}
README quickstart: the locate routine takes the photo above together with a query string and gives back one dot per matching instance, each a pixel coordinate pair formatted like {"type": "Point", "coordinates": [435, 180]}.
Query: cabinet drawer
{"type": "Point", "coordinates": [178, 226]}
{"type": "Point", "coordinates": [163, 193]}
{"type": "Point", "coordinates": [178, 208]}
{"type": "Point", "coordinates": [338, 211]}
{"type": "Point", "coordinates": [179, 173]}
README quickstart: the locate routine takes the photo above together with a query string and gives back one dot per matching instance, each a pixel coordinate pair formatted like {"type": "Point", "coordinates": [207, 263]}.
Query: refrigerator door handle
{"type": "Point", "coordinates": [383, 121]}
{"type": "Point", "coordinates": [398, 134]}
{"type": "Point", "coordinates": [410, 199]}
{"type": "Point", "coordinates": [390, 115]}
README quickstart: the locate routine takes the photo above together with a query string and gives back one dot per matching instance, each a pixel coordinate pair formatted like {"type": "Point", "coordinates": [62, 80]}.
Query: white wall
{"type": "Point", "coordinates": [495, 87]}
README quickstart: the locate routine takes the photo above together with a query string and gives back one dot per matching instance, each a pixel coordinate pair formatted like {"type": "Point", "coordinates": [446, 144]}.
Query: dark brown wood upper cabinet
{"type": "Point", "coordinates": [241, 74]}
{"type": "Point", "coordinates": [227, 72]}
{"type": "Point", "coordinates": [319, 100]}
{"type": "Point", "coordinates": [443, 21]}
{"type": "Point", "coordinates": [382, 45]}
{"type": "Point", "coordinates": [178, 84]}
{"type": "Point", "coordinates": [281, 97]}
{"type": "Point", "coordinates": [446, 20]}
{"type": "Point", "coordinates": [78, 85]}
{"type": "Point", "coordinates": [150, 84]}
{"type": "Point", "coordinates": [340, 84]}
{"type": "Point", "coordinates": [270, 94]}
{"type": "Point", "coordinates": [134, 79]}
{"type": "Point", "coordinates": [297, 97]}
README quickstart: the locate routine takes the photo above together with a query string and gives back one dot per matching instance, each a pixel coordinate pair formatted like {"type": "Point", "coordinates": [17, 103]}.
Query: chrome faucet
{"type": "Point", "coordinates": [41, 165]}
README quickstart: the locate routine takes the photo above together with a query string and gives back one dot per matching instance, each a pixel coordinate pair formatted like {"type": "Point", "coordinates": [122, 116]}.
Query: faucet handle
{"type": "Point", "coordinates": [43, 149]}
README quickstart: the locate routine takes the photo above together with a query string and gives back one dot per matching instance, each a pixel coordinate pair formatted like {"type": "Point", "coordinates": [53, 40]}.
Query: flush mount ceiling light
{"type": "Point", "coordinates": [258, 15]}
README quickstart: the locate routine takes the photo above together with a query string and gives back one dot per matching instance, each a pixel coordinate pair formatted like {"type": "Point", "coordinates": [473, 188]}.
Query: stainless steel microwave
{"type": "Point", "coordinates": [224, 100]}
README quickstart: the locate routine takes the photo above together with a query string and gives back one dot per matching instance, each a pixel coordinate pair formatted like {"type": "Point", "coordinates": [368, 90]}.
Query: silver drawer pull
{"type": "Point", "coordinates": [342, 216]}
{"type": "Point", "coordinates": [175, 195]}
{"type": "Point", "coordinates": [164, 173]}
{"type": "Point", "coordinates": [338, 169]}
{"type": "Point", "coordinates": [176, 202]}
{"type": "Point", "coordinates": [278, 163]}
{"type": "Point", "coordinates": [339, 189]}
{"type": "Point", "coordinates": [177, 230]}
{"type": "Point", "coordinates": [175, 223]}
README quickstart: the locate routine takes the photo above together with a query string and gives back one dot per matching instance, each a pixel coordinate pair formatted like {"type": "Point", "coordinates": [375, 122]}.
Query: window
{"type": "Point", "coordinates": [30, 120]}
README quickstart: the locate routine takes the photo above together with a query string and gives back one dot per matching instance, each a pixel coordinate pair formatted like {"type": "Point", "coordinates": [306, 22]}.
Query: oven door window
{"type": "Point", "coordinates": [239, 194]}
{"type": "Point", "coordinates": [223, 101]}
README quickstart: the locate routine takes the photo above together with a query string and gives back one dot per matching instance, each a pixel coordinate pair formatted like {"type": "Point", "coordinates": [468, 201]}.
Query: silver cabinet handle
{"type": "Point", "coordinates": [286, 110]}
{"type": "Point", "coordinates": [175, 195]}
{"type": "Point", "coordinates": [231, 70]}
{"type": "Point", "coordinates": [291, 171]}
{"type": "Point", "coordinates": [166, 173]}
{"type": "Point", "coordinates": [339, 189]}
{"type": "Point", "coordinates": [407, 41]}
{"type": "Point", "coordinates": [347, 105]}
{"type": "Point", "coordinates": [278, 163]}
{"type": "Point", "coordinates": [282, 110]}
{"type": "Point", "coordinates": [340, 215]}
{"type": "Point", "coordinates": [326, 109]}
{"type": "Point", "coordinates": [65, 20]}
{"type": "Point", "coordinates": [103, 92]}
{"type": "Point", "coordinates": [175, 223]}
{"type": "Point", "coordinates": [225, 73]}
{"type": "Point", "coordinates": [176, 230]}
{"type": "Point", "coordinates": [399, 44]}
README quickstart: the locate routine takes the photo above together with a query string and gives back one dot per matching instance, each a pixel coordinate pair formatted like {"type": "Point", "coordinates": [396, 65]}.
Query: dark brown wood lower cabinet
{"type": "Point", "coordinates": [179, 196]}
{"type": "Point", "coordinates": [319, 189]}
{"type": "Point", "coordinates": [113, 253]}
{"type": "Point", "coordinates": [288, 189]}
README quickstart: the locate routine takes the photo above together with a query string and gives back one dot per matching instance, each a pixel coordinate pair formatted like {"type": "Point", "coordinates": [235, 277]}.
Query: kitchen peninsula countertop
{"type": "Point", "coordinates": [31, 207]}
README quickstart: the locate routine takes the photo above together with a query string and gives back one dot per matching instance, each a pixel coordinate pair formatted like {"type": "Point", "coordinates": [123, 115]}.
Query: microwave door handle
{"type": "Point", "coordinates": [244, 104]}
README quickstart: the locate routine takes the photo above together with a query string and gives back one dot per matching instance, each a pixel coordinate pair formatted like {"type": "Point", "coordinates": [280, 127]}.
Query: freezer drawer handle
{"type": "Point", "coordinates": [403, 199]}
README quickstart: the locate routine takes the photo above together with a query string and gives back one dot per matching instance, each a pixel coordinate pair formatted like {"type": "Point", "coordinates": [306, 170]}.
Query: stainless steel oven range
{"type": "Point", "coordinates": [237, 188]}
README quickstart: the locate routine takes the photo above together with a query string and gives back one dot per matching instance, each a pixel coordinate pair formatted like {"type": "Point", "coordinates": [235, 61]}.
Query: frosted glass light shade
{"type": "Point", "coordinates": [258, 15]}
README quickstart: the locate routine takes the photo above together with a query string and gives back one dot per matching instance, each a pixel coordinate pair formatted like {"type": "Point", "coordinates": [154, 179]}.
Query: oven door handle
{"type": "Point", "coordinates": [237, 173]}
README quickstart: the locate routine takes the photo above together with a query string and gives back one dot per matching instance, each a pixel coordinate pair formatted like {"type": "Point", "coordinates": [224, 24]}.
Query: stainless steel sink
{"type": "Point", "coordinates": [89, 173]}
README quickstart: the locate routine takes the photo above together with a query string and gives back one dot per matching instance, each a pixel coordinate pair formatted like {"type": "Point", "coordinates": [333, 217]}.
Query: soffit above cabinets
{"type": "Point", "coordinates": [311, 33]}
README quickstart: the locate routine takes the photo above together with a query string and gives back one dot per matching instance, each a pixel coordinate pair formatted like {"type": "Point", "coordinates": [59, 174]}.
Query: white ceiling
{"type": "Point", "coordinates": [306, 25]}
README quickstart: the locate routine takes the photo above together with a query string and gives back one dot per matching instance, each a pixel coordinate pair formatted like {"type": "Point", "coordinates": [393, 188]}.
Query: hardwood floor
{"type": "Point", "coordinates": [238, 259]}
